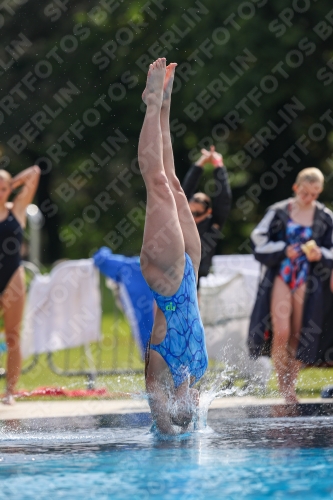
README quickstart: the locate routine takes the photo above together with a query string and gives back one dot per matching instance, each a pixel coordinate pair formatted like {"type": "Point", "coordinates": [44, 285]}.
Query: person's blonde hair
{"type": "Point", "coordinates": [5, 175]}
{"type": "Point", "coordinates": [310, 174]}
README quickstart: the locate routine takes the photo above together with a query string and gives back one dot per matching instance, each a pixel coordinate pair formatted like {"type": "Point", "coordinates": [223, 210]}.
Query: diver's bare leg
{"type": "Point", "coordinates": [162, 253]}
{"type": "Point", "coordinates": [189, 228]}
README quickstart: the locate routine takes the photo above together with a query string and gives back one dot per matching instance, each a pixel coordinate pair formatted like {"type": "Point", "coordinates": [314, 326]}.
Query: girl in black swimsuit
{"type": "Point", "coordinates": [12, 288]}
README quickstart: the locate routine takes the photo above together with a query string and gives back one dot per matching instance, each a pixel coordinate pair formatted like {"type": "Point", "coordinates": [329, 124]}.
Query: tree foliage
{"type": "Point", "coordinates": [254, 78]}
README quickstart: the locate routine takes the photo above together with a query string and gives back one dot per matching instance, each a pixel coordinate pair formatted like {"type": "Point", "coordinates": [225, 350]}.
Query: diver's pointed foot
{"type": "Point", "coordinates": [168, 83]}
{"type": "Point", "coordinates": [153, 92]}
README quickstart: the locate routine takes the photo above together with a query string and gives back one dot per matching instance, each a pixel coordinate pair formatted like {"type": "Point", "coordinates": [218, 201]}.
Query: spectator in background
{"type": "Point", "coordinates": [209, 214]}
{"type": "Point", "coordinates": [293, 242]}
{"type": "Point", "coordinates": [12, 284]}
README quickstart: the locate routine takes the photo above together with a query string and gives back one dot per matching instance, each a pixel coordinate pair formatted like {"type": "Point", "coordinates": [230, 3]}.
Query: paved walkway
{"type": "Point", "coordinates": [45, 409]}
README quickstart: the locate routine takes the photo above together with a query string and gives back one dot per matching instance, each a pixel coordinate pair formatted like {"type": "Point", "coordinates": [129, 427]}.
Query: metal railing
{"type": "Point", "coordinates": [115, 354]}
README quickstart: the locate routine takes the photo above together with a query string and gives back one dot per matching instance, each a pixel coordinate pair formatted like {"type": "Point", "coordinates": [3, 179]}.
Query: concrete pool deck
{"type": "Point", "coordinates": [80, 408]}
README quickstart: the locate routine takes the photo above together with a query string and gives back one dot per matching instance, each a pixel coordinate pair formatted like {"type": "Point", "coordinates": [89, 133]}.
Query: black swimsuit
{"type": "Point", "coordinates": [11, 234]}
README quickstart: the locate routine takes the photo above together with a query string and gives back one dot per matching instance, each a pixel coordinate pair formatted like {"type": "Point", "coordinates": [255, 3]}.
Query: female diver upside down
{"type": "Point", "coordinates": [170, 257]}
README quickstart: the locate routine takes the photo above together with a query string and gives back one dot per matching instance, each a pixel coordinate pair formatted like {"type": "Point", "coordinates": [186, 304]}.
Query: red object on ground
{"type": "Point", "coordinates": [61, 391]}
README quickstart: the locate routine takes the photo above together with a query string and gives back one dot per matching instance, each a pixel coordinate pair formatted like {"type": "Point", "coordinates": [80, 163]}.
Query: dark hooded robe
{"type": "Point", "coordinates": [270, 243]}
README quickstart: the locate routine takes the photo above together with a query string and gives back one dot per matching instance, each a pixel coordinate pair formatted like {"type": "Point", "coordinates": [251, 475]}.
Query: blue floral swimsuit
{"type": "Point", "coordinates": [295, 272]}
{"type": "Point", "coordinates": [183, 348]}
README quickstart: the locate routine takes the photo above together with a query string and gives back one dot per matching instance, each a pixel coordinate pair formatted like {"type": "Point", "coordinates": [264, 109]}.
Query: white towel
{"type": "Point", "coordinates": [63, 309]}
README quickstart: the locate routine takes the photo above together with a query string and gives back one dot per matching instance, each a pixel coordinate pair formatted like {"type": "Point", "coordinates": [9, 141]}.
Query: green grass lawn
{"type": "Point", "coordinates": [310, 382]}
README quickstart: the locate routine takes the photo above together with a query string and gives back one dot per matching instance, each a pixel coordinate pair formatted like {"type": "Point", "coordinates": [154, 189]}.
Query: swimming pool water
{"type": "Point", "coordinates": [235, 457]}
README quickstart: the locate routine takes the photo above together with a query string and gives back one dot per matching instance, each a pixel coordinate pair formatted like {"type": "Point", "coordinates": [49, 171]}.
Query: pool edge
{"type": "Point", "coordinates": [48, 409]}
